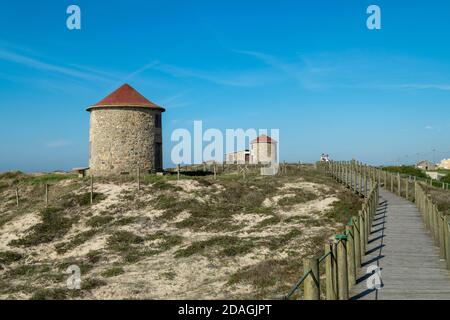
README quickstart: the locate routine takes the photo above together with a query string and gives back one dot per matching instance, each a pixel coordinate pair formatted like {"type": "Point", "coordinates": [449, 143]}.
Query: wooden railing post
{"type": "Point", "coordinates": [17, 196]}
{"type": "Point", "coordinates": [334, 264]}
{"type": "Point", "coordinates": [365, 184]}
{"type": "Point", "coordinates": [342, 267]}
{"type": "Point", "coordinates": [366, 225]}
{"type": "Point", "coordinates": [436, 225]}
{"type": "Point", "coordinates": [357, 241]}
{"type": "Point", "coordinates": [427, 212]}
{"type": "Point", "coordinates": [351, 263]}
{"type": "Point", "coordinates": [46, 194]}
{"type": "Point", "coordinates": [329, 278]}
{"type": "Point", "coordinates": [362, 230]}
{"type": "Point", "coordinates": [447, 240]}
{"type": "Point", "coordinates": [312, 281]}
{"type": "Point", "coordinates": [441, 235]}
{"type": "Point", "coordinates": [407, 189]}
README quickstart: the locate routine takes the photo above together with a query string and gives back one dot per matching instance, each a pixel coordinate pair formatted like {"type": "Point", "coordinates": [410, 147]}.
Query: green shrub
{"type": "Point", "coordinates": [113, 272]}
{"type": "Point", "coordinates": [407, 170]}
{"type": "Point", "coordinates": [446, 178]}
{"type": "Point", "coordinates": [92, 283]}
{"type": "Point", "coordinates": [54, 225]}
{"type": "Point", "coordinates": [99, 221]}
{"type": "Point", "coordinates": [49, 294]}
{"type": "Point", "coordinates": [84, 199]}
{"type": "Point", "coordinates": [227, 245]}
{"type": "Point", "coordinates": [11, 175]}
{"type": "Point", "coordinates": [123, 240]}
{"type": "Point", "coordinates": [7, 257]}
{"type": "Point", "coordinates": [46, 178]}
{"type": "Point", "coordinates": [301, 196]}
{"type": "Point", "coordinates": [78, 240]}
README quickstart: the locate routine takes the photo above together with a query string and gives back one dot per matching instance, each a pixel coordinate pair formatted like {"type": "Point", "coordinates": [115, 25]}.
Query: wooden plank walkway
{"type": "Point", "coordinates": [405, 253]}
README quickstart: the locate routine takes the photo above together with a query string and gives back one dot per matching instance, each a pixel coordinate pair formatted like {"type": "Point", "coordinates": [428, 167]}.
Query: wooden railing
{"type": "Point", "coordinates": [411, 188]}
{"type": "Point", "coordinates": [343, 256]}
{"type": "Point", "coordinates": [435, 222]}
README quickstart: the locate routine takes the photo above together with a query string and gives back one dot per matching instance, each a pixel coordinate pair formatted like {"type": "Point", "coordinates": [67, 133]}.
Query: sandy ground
{"type": "Point", "coordinates": [163, 276]}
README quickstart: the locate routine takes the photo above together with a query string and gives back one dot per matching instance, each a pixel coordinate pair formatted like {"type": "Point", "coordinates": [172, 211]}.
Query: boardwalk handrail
{"type": "Point", "coordinates": [342, 256]}
{"type": "Point", "coordinates": [414, 189]}
{"type": "Point", "coordinates": [435, 221]}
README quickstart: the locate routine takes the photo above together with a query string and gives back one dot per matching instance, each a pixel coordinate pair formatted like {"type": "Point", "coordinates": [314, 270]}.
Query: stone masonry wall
{"type": "Point", "coordinates": [122, 139]}
{"type": "Point", "coordinates": [263, 152]}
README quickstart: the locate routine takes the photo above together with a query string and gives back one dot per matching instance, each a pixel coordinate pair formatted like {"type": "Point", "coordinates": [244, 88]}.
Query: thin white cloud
{"type": "Point", "coordinates": [34, 63]}
{"type": "Point", "coordinates": [140, 70]}
{"type": "Point", "coordinates": [425, 86]}
{"type": "Point", "coordinates": [237, 78]}
{"type": "Point", "coordinates": [302, 70]}
{"type": "Point", "coordinates": [341, 71]}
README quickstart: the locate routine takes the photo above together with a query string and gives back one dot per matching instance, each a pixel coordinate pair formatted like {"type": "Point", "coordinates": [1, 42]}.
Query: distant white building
{"type": "Point", "coordinates": [426, 165]}
{"type": "Point", "coordinates": [435, 175]}
{"type": "Point", "coordinates": [263, 150]}
{"type": "Point", "coordinates": [444, 164]}
{"type": "Point", "coordinates": [239, 157]}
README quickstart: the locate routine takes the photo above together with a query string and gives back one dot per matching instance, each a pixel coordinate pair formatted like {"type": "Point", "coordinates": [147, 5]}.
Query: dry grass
{"type": "Point", "coordinates": [441, 197]}
{"type": "Point", "coordinates": [193, 238]}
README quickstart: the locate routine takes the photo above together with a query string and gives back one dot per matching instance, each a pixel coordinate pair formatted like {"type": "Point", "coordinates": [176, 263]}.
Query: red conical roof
{"type": "Point", "coordinates": [264, 138]}
{"type": "Point", "coordinates": [126, 96]}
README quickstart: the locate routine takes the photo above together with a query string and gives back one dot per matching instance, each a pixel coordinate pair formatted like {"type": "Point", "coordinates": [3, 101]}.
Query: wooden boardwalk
{"type": "Point", "coordinates": [402, 248]}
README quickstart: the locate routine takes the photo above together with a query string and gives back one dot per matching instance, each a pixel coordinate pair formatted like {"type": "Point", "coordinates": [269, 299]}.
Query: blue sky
{"type": "Point", "coordinates": [309, 68]}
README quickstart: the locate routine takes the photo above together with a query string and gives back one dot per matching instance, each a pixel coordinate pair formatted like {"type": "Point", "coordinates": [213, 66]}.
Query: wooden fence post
{"type": "Point", "coordinates": [447, 240]}
{"type": "Point", "coordinates": [362, 230]}
{"type": "Point", "coordinates": [334, 264]}
{"type": "Point", "coordinates": [178, 172]}
{"type": "Point", "coordinates": [399, 184]}
{"type": "Point", "coordinates": [436, 225]}
{"type": "Point", "coordinates": [364, 186]}
{"type": "Point", "coordinates": [385, 179]}
{"type": "Point", "coordinates": [17, 196]}
{"type": "Point", "coordinates": [367, 224]}
{"type": "Point", "coordinates": [215, 171]}
{"type": "Point", "coordinates": [407, 188]}
{"type": "Point", "coordinates": [441, 235]}
{"type": "Point", "coordinates": [330, 293]}
{"type": "Point", "coordinates": [46, 194]}
{"type": "Point", "coordinates": [342, 267]}
{"type": "Point", "coordinates": [357, 241]}
{"type": "Point", "coordinates": [351, 264]}
{"type": "Point", "coordinates": [312, 281]}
